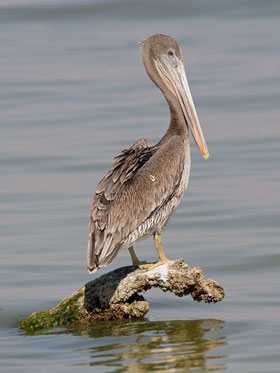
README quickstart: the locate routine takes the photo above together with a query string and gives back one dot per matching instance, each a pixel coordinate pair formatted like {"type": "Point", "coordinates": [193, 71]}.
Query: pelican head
{"type": "Point", "coordinates": [163, 60]}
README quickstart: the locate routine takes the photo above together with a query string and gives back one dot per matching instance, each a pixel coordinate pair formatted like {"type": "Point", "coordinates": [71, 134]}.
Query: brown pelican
{"type": "Point", "coordinates": [146, 183]}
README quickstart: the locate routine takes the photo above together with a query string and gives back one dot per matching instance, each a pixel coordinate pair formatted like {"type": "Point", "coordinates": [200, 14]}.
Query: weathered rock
{"type": "Point", "coordinates": [115, 295]}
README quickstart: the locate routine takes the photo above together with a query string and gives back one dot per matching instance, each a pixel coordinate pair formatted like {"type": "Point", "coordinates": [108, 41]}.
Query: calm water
{"type": "Point", "coordinates": [73, 94]}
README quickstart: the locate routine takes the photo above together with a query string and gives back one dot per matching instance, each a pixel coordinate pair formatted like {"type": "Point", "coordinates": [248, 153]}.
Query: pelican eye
{"type": "Point", "coordinates": [170, 53]}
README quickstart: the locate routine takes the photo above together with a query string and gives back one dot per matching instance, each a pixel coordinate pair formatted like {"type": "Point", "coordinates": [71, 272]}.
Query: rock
{"type": "Point", "coordinates": [115, 295]}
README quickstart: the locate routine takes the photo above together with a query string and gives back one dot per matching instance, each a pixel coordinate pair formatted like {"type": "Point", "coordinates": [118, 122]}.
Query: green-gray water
{"type": "Point", "coordinates": [73, 94]}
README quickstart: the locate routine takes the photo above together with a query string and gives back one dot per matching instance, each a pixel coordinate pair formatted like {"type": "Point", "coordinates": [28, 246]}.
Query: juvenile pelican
{"type": "Point", "coordinates": [146, 183]}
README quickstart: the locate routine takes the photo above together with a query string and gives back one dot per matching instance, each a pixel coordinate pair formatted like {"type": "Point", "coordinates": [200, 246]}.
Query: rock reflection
{"type": "Point", "coordinates": [155, 346]}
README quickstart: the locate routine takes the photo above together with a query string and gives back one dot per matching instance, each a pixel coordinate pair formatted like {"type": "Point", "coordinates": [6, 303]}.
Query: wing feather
{"type": "Point", "coordinates": [124, 168]}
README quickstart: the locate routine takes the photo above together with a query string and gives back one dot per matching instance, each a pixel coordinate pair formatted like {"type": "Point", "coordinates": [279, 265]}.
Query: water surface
{"type": "Point", "coordinates": [73, 94]}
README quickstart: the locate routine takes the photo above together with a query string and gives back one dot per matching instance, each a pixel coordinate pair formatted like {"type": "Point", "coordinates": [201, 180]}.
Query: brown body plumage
{"type": "Point", "coordinates": [144, 186]}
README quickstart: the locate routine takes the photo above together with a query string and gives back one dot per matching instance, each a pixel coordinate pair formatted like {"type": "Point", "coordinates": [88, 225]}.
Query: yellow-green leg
{"type": "Point", "coordinates": [135, 261]}
{"type": "Point", "coordinates": [161, 254]}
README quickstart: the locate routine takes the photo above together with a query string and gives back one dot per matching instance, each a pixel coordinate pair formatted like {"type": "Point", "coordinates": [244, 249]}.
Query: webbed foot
{"type": "Point", "coordinates": [154, 264]}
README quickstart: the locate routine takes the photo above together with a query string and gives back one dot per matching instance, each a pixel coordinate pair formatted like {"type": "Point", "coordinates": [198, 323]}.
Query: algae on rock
{"type": "Point", "coordinates": [115, 295]}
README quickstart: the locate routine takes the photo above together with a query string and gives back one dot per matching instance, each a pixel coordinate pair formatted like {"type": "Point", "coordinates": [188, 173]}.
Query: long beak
{"type": "Point", "coordinates": [175, 78]}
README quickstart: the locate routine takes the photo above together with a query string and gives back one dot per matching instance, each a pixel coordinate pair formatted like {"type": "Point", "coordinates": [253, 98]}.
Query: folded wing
{"type": "Point", "coordinates": [103, 242]}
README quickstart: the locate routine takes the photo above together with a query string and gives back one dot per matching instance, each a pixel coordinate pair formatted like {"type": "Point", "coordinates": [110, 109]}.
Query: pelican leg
{"type": "Point", "coordinates": [161, 254]}
{"type": "Point", "coordinates": [135, 261]}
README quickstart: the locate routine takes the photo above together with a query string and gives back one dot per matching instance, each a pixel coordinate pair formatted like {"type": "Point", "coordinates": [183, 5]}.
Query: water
{"type": "Point", "coordinates": [73, 94]}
